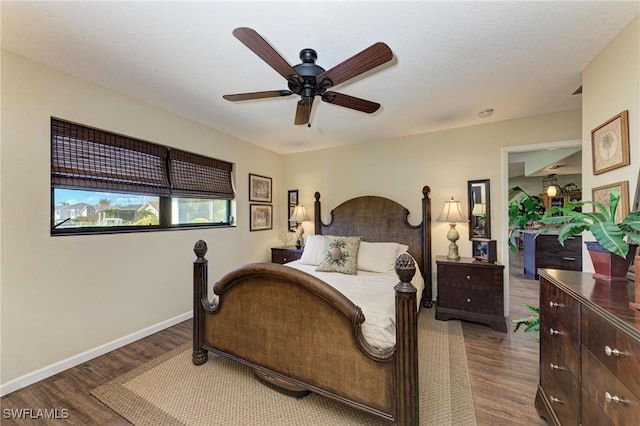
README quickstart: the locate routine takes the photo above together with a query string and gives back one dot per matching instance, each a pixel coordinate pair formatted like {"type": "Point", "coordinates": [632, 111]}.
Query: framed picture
{"type": "Point", "coordinates": [292, 196]}
{"type": "Point", "coordinates": [259, 188]}
{"type": "Point", "coordinates": [636, 200]}
{"type": "Point", "coordinates": [601, 195]}
{"type": "Point", "coordinates": [484, 249]}
{"type": "Point", "coordinates": [610, 144]}
{"type": "Point", "coordinates": [261, 217]}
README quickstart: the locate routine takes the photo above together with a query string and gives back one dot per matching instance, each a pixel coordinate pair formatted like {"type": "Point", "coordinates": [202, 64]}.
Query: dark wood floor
{"type": "Point", "coordinates": [503, 369]}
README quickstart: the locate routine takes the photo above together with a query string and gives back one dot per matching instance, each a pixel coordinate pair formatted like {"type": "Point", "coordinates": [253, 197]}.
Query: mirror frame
{"type": "Point", "coordinates": [483, 186]}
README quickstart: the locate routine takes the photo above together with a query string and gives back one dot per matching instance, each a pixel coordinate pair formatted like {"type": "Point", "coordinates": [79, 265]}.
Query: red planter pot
{"type": "Point", "coordinates": [609, 266]}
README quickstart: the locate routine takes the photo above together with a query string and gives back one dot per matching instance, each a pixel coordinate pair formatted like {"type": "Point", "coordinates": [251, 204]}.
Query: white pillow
{"type": "Point", "coordinates": [313, 252]}
{"type": "Point", "coordinates": [377, 257]}
{"type": "Point", "coordinates": [402, 248]}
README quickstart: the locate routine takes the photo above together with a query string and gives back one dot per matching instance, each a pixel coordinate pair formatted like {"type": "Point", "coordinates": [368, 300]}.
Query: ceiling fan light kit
{"type": "Point", "coordinates": [309, 80]}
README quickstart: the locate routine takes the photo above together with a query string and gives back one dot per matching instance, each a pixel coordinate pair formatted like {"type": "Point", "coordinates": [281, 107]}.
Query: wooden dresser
{"type": "Point", "coordinates": [546, 252]}
{"type": "Point", "coordinates": [589, 351]}
{"type": "Point", "coordinates": [472, 290]}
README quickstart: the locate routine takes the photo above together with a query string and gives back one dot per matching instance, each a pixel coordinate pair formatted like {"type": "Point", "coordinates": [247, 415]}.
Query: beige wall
{"type": "Point", "coordinates": [62, 296]}
{"type": "Point", "coordinates": [611, 85]}
{"type": "Point", "coordinates": [399, 168]}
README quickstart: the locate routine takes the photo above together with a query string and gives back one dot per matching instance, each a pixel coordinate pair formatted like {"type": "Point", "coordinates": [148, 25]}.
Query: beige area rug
{"type": "Point", "coordinates": [170, 390]}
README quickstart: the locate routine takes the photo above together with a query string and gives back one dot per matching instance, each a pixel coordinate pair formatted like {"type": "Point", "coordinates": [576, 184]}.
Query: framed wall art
{"type": "Point", "coordinates": [610, 144]}
{"type": "Point", "coordinates": [261, 217]}
{"type": "Point", "coordinates": [292, 196]}
{"type": "Point", "coordinates": [484, 249]}
{"type": "Point", "coordinates": [259, 188]}
{"type": "Point", "coordinates": [601, 195]}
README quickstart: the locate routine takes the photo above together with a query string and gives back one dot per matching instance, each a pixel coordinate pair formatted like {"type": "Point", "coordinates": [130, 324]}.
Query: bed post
{"type": "Point", "coordinates": [200, 269]}
{"type": "Point", "coordinates": [317, 218]}
{"type": "Point", "coordinates": [406, 356]}
{"type": "Point", "coordinates": [427, 297]}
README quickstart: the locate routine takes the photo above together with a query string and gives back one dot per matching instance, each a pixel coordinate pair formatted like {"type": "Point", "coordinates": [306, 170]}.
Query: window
{"type": "Point", "coordinates": [104, 182]}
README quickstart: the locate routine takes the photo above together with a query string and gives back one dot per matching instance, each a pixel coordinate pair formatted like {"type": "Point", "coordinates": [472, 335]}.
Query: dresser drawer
{"type": "Point", "coordinates": [472, 278]}
{"type": "Point", "coordinates": [558, 339]}
{"type": "Point", "coordinates": [610, 394]}
{"type": "Point", "coordinates": [592, 414]}
{"type": "Point", "coordinates": [561, 306]}
{"type": "Point", "coordinates": [554, 368]}
{"type": "Point", "coordinates": [619, 353]}
{"type": "Point", "coordinates": [565, 409]}
{"type": "Point", "coordinates": [481, 302]}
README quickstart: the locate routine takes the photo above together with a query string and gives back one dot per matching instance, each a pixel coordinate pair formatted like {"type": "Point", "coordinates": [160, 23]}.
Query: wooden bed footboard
{"type": "Point", "coordinates": [298, 328]}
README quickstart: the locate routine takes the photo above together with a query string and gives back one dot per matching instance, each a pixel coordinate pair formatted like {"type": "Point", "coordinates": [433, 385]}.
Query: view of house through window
{"type": "Point", "coordinates": [81, 209]}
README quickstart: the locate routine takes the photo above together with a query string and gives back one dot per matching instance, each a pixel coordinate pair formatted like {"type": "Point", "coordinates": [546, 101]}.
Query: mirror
{"type": "Point", "coordinates": [479, 209]}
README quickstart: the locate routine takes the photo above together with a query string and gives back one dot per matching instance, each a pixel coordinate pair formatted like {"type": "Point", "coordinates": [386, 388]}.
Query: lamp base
{"type": "Point", "coordinates": [453, 236]}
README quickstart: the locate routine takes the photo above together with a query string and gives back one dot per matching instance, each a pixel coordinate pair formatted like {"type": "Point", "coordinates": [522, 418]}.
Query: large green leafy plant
{"type": "Point", "coordinates": [523, 210]}
{"type": "Point", "coordinates": [601, 223]}
{"type": "Point", "coordinates": [531, 323]}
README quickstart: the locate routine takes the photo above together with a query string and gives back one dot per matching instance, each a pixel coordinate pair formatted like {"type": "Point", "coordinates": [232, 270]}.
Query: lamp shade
{"type": "Point", "coordinates": [550, 185]}
{"type": "Point", "coordinates": [479, 209]}
{"type": "Point", "coordinates": [299, 214]}
{"type": "Point", "coordinates": [452, 212]}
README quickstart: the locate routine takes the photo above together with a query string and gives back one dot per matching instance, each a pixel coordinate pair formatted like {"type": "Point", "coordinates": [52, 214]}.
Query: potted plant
{"type": "Point", "coordinates": [610, 253]}
{"type": "Point", "coordinates": [523, 211]}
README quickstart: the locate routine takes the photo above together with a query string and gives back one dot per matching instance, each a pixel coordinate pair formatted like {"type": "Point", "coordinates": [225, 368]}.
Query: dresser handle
{"type": "Point", "coordinates": [608, 351]}
{"type": "Point", "coordinates": [615, 399]}
{"type": "Point", "coordinates": [553, 332]}
{"type": "Point", "coordinates": [468, 277]}
{"type": "Point", "coordinates": [468, 300]}
{"type": "Point", "coordinates": [554, 399]}
{"type": "Point", "coordinates": [555, 367]}
{"type": "Point", "coordinates": [553, 304]}
{"type": "Point", "coordinates": [569, 258]}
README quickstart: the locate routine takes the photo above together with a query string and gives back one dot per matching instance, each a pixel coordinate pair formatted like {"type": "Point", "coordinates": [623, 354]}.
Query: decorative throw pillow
{"type": "Point", "coordinates": [313, 250]}
{"type": "Point", "coordinates": [340, 255]}
{"type": "Point", "coordinates": [377, 257]}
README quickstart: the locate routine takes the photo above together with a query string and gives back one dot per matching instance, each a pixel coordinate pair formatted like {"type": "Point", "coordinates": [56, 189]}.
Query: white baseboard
{"type": "Point", "coordinates": [43, 373]}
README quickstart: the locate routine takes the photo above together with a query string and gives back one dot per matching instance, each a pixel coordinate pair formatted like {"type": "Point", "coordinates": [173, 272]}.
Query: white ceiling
{"type": "Point", "coordinates": [451, 59]}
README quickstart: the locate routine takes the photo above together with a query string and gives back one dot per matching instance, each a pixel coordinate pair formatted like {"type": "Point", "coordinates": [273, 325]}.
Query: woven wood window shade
{"type": "Point", "coordinates": [95, 160]}
{"type": "Point", "coordinates": [195, 176]}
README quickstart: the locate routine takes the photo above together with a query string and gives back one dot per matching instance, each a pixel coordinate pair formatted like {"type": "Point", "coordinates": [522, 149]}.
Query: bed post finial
{"type": "Point", "coordinates": [317, 221]}
{"type": "Point", "coordinates": [426, 191]}
{"type": "Point", "coordinates": [406, 359]}
{"type": "Point", "coordinates": [200, 272]}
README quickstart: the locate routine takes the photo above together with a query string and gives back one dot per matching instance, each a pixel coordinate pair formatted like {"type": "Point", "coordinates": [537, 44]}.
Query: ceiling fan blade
{"type": "Point", "coordinates": [371, 57]}
{"type": "Point", "coordinates": [257, 95]}
{"type": "Point", "coordinates": [303, 111]}
{"type": "Point", "coordinates": [350, 102]}
{"type": "Point", "coordinates": [260, 47]}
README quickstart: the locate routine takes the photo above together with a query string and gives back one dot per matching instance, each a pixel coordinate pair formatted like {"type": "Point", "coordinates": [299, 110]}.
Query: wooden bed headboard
{"type": "Point", "coordinates": [379, 219]}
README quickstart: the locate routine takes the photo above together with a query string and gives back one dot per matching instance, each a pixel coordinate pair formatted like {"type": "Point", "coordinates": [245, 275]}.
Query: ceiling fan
{"type": "Point", "coordinates": [310, 80]}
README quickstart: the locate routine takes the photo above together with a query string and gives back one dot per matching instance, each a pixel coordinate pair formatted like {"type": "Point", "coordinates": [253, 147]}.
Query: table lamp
{"type": "Point", "coordinates": [299, 215]}
{"type": "Point", "coordinates": [452, 213]}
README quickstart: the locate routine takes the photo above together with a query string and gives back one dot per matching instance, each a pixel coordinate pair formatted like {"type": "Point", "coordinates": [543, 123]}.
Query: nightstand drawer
{"type": "Point", "coordinates": [470, 278]}
{"type": "Point", "coordinates": [284, 255]}
{"type": "Point", "coordinates": [481, 302]}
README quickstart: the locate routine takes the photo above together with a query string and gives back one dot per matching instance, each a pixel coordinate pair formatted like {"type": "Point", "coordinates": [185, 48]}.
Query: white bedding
{"type": "Point", "coordinates": [373, 292]}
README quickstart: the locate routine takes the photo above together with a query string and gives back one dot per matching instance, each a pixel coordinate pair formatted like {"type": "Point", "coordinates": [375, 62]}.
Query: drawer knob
{"type": "Point", "coordinates": [553, 304]}
{"type": "Point", "coordinates": [468, 277]}
{"type": "Point", "coordinates": [556, 400]}
{"type": "Point", "coordinates": [553, 332]}
{"type": "Point", "coordinates": [555, 367]}
{"type": "Point", "coordinates": [608, 351]}
{"type": "Point", "coordinates": [468, 300]}
{"type": "Point", "coordinates": [611, 398]}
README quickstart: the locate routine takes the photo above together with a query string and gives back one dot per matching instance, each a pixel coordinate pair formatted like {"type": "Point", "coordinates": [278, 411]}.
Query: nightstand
{"type": "Point", "coordinates": [284, 254]}
{"type": "Point", "coordinates": [472, 290]}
